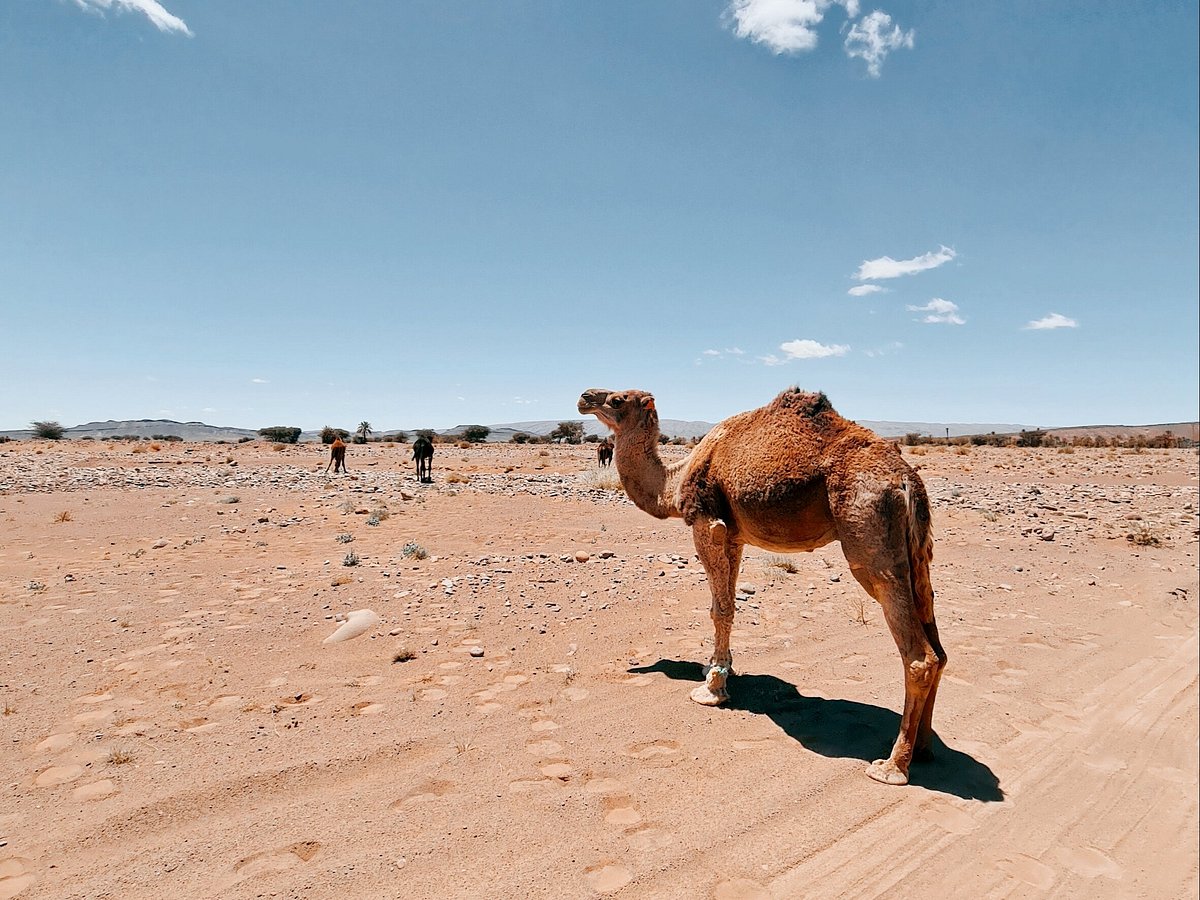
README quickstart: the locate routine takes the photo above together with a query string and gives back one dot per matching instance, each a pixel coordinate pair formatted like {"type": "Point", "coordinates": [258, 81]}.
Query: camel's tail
{"type": "Point", "coordinates": [920, 545]}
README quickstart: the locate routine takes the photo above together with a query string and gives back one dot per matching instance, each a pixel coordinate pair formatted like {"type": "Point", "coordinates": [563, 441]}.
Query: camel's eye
{"type": "Point", "coordinates": [614, 402]}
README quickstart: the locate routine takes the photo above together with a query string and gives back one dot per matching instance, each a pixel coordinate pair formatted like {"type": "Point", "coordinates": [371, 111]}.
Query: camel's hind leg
{"type": "Point", "coordinates": [721, 556]}
{"type": "Point", "coordinates": [882, 567]}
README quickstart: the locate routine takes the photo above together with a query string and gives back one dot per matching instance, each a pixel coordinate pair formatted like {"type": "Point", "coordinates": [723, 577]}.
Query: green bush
{"type": "Point", "coordinates": [476, 434]}
{"type": "Point", "coordinates": [280, 434]}
{"type": "Point", "coordinates": [51, 431]}
{"type": "Point", "coordinates": [329, 435]}
{"type": "Point", "coordinates": [568, 432]}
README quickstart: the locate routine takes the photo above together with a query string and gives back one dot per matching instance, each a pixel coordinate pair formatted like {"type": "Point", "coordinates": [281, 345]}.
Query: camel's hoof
{"type": "Point", "coordinates": [886, 772]}
{"type": "Point", "coordinates": [705, 697]}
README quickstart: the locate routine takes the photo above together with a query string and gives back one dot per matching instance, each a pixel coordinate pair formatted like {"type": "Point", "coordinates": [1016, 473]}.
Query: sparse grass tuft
{"type": "Point", "coordinates": [403, 655]}
{"type": "Point", "coordinates": [413, 550]}
{"type": "Point", "coordinates": [9, 709]}
{"type": "Point", "coordinates": [340, 580]}
{"type": "Point", "coordinates": [119, 756]}
{"type": "Point", "coordinates": [782, 562]}
{"type": "Point", "coordinates": [344, 538]}
{"type": "Point", "coordinates": [857, 605]}
{"type": "Point", "coordinates": [347, 507]}
{"type": "Point", "coordinates": [64, 516]}
{"type": "Point", "coordinates": [351, 559]}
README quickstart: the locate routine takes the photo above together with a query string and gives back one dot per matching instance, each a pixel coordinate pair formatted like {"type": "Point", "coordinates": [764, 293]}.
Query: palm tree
{"type": "Point", "coordinates": [364, 429]}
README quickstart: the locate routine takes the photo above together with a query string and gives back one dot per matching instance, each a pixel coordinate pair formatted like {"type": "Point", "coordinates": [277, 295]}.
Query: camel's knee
{"type": "Point", "coordinates": [922, 672]}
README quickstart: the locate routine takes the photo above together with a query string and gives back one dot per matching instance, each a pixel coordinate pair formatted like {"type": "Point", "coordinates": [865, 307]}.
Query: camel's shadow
{"type": "Point", "coordinates": [845, 729]}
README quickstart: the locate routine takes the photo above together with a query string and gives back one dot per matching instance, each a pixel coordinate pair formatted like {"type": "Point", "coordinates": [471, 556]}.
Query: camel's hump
{"type": "Point", "coordinates": [804, 403]}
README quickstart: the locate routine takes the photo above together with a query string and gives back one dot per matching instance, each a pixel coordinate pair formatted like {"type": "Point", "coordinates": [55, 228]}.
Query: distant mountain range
{"type": "Point", "coordinates": [199, 431]}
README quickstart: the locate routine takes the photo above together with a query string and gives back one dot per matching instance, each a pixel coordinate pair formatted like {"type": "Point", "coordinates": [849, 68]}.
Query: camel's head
{"type": "Point", "coordinates": [622, 411]}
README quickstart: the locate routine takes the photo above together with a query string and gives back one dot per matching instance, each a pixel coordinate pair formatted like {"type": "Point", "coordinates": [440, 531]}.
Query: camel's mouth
{"type": "Point", "coordinates": [591, 402]}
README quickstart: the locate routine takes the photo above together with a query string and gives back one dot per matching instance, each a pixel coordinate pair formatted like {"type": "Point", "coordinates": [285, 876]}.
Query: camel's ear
{"type": "Point", "coordinates": [648, 403]}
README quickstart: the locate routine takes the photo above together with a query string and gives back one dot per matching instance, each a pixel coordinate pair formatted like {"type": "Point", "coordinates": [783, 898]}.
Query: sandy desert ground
{"type": "Point", "coordinates": [175, 725]}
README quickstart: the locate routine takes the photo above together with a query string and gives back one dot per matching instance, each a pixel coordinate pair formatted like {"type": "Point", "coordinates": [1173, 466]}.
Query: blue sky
{"type": "Point", "coordinates": [426, 214]}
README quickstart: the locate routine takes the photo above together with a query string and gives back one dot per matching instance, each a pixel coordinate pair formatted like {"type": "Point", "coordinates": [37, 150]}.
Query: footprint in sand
{"type": "Point", "coordinates": [225, 701]}
{"type": "Point", "coordinates": [56, 742]}
{"type": "Point", "coordinates": [1088, 862]}
{"type": "Point", "coordinates": [277, 860]}
{"type": "Point", "coordinates": [559, 770]}
{"type": "Point", "coordinates": [428, 790]}
{"type": "Point", "coordinates": [1029, 870]}
{"type": "Point", "coordinates": [619, 811]}
{"type": "Point", "coordinates": [545, 747]}
{"type": "Point", "coordinates": [16, 874]}
{"type": "Point", "coordinates": [608, 878]}
{"type": "Point", "coordinates": [367, 708]}
{"type": "Point", "coordinates": [97, 790]}
{"type": "Point", "coordinates": [741, 889]}
{"type": "Point", "coordinates": [544, 725]}
{"type": "Point", "coordinates": [1106, 765]}
{"type": "Point", "coordinates": [948, 818]}
{"type": "Point", "coordinates": [56, 775]}
{"type": "Point", "coordinates": [575, 694]}
{"type": "Point", "coordinates": [650, 749]}
{"type": "Point", "coordinates": [604, 786]}
{"type": "Point", "coordinates": [637, 680]}
{"type": "Point", "coordinates": [647, 839]}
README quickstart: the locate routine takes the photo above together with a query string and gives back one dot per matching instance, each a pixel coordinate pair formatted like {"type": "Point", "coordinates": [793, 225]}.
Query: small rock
{"type": "Point", "coordinates": [582, 556]}
{"type": "Point", "coordinates": [158, 545]}
{"type": "Point", "coordinates": [477, 651]}
{"type": "Point", "coordinates": [748, 588]}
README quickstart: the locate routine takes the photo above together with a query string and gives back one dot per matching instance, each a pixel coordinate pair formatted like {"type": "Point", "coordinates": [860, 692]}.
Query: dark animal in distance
{"type": "Point", "coordinates": [423, 453]}
{"type": "Point", "coordinates": [604, 452]}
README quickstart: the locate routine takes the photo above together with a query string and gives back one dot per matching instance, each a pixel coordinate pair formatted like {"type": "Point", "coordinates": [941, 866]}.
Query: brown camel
{"type": "Point", "coordinates": [604, 452]}
{"type": "Point", "coordinates": [791, 476]}
{"type": "Point", "coordinates": [337, 456]}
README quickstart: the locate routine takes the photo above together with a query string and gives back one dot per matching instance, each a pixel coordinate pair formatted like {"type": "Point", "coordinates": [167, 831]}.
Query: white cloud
{"type": "Point", "coordinates": [806, 349]}
{"type": "Point", "coordinates": [939, 310]}
{"type": "Point", "coordinates": [259, 381]}
{"type": "Point", "coordinates": [1054, 320]}
{"type": "Point", "coordinates": [886, 267]}
{"type": "Point", "coordinates": [893, 347]}
{"type": "Point", "coordinates": [783, 26]}
{"type": "Point", "coordinates": [151, 9]}
{"type": "Point", "coordinates": [873, 37]}
{"type": "Point", "coordinates": [861, 290]}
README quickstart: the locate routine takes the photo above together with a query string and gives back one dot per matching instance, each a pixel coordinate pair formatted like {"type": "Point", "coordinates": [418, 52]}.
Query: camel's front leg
{"type": "Point", "coordinates": [721, 555]}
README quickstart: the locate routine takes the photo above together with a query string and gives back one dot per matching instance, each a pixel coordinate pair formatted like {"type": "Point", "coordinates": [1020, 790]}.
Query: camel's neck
{"type": "Point", "coordinates": [649, 482]}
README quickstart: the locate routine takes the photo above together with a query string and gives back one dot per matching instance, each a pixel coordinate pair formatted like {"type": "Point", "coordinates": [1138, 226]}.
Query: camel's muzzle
{"type": "Point", "coordinates": [592, 399]}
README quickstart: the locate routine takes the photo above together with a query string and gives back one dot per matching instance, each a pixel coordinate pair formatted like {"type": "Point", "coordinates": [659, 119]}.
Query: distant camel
{"type": "Point", "coordinates": [337, 457]}
{"type": "Point", "coordinates": [422, 451]}
{"type": "Point", "coordinates": [604, 452]}
{"type": "Point", "coordinates": [793, 476]}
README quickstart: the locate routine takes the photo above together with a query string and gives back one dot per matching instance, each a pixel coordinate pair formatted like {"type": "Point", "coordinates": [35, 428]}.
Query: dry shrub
{"type": "Point", "coordinates": [601, 480]}
{"type": "Point", "coordinates": [404, 654]}
{"type": "Point", "coordinates": [278, 447]}
{"type": "Point", "coordinates": [782, 562]}
{"type": "Point", "coordinates": [1067, 449]}
{"type": "Point", "coordinates": [1145, 536]}
{"type": "Point", "coordinates": [962, 450]}
{"type": "Point", "coordinates": [457, 478]}
{"type": "Point", "coordinates": [463, 445]}
{"type": "Point", "coordinates": [156, 447]}
{"type": "Point", "coordinates": [64, 516]}
{"type": "Point", "coordinates": [139, 448]}
{"type": "Point", "coordinates": [119, 757]}
{"type": "Point", "coordinates": [857, 607]}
